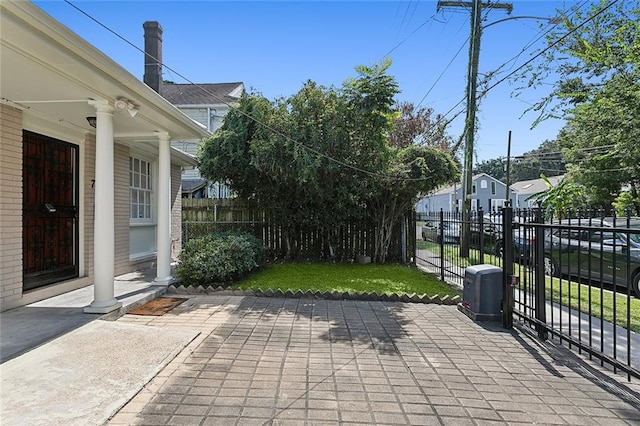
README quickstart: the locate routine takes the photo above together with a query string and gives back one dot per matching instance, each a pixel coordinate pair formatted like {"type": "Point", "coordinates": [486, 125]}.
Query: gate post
{"type": "Point", "coordinates": [507, 266]}
{"type": "Point", "coordinates": [540, 282]}
{"type": "Point", "coordinates": [441, 234]}
{"type": "Point", "coordinates": [481, 233]}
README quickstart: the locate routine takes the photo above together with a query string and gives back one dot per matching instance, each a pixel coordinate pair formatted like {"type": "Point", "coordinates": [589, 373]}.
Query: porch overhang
{"type": "Point", "coordinates": [51, 74]}
{"type": "Point", "coordinates": [58, 80]}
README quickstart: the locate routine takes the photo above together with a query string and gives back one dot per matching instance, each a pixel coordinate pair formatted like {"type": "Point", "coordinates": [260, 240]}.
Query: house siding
{"type": "Point", "coordinates": [448, 198]}
{"type": "Point", "coordinates": [197, 114]}
{"type": "Point", "coordinates": [190, 147]}
{"type": "Point", "coordinates": [89, 201]}
{"type": "Point", "coordinates": [11, 209]}
{"type": "Point", "coordinates": [122, 264]}
{"type": "Point", "coordinates": [176, 211]}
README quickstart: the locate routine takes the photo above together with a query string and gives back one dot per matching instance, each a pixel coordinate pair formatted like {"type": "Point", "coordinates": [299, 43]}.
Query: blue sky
{"type": "Point", "coordinates": [274, 47]}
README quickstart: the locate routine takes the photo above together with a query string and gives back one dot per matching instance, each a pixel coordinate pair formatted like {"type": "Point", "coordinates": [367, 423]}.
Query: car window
{"type": "Point", "coordinates": [571, 233]}
{"type": "Point", "coordinates": [601, 237]}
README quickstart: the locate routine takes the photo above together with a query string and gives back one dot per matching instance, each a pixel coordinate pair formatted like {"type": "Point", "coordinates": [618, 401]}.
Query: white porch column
{"type": "Point", "coordinates": [164, 210]}
{"type": "Point", "coordinates": [103, 226]}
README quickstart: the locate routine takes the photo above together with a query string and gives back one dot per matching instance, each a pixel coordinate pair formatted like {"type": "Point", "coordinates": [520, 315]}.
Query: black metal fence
{"type": "Point", "coordinates": [573, 278]}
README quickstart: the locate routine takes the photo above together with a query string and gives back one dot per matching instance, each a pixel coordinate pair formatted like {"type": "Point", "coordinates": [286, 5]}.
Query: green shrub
{"type": "Point", "coordinates": [219, 258]}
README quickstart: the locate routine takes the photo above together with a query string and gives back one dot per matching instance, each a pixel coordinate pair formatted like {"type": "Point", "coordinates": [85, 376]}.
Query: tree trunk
{"type": "Point", "coordinates": [389, 212]}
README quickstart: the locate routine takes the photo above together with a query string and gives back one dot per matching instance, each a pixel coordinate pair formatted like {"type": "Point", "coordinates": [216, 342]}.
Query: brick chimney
{"type": "Point", "coordinates": [153, 55]}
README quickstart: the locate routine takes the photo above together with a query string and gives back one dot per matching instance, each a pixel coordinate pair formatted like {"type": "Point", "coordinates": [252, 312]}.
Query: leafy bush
{"type": "Point", "coordinates": [220, 258]}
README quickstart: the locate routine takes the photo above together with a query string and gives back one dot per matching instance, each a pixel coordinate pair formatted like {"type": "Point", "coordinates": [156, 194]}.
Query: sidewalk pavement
{"type": "Point", "coordinates": [28, 327]}
{"type": "Point", "coordinates": [237, 360]}
{"type": "Point", "coordinates": [60, 366]}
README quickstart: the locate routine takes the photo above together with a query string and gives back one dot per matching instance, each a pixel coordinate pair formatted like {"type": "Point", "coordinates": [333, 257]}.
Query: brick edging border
{"type": "Point", "coordinates": [299, 294]}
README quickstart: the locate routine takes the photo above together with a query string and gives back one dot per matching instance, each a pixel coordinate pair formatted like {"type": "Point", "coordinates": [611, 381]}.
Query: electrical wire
{"type": "Point", "coordinates": [536, 38]}
{"type": "Point", "coordinates": [552, 45]}
{"type": "Point", "coordinates": [409, 36]}
{"type": "Point", "coordinates": [442, 73]}
{"type": "Point", "coordinates": [257, 121]}
{"type": "Point", "coordinates": [312, 150]}
{"type": "Point", "coordinates": [501, 66]}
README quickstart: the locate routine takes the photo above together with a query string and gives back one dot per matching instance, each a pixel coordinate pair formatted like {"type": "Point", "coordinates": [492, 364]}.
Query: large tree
{"type": "Point", "coordinates": [323, 156]}
{"type": "Point", "coordinates": [420, 126]}
{"type": "Point", "coordinates": [593, 62]}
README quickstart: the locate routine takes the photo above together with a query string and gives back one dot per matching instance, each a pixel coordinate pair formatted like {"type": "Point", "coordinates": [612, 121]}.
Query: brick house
{"type": "Point", "coordinates": [89, 182]}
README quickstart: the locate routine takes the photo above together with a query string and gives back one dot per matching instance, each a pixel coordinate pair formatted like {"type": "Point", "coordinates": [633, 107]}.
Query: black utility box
{"type": "Point", "coordinates": [482, 293]}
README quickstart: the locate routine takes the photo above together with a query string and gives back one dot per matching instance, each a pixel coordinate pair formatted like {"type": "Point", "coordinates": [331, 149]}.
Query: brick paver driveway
{"type": "Point", "coordinates": [276, 361]}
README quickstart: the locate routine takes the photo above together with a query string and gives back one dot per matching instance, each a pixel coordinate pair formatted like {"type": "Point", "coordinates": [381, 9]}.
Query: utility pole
{"type": "Point", "coordinates": [476, 7]}
{"type": "Point", "coordinates": [508, 171]}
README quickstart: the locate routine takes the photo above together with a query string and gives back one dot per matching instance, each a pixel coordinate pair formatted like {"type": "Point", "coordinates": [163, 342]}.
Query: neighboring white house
{"type": "Point", "coordinates": [526, 190]}
{"type": "Point", "coordinates": [487, 192]}
{"type": "Point", "coordinates": [206, 103]}
{"type": "Point", "coordinates": [89, 183]}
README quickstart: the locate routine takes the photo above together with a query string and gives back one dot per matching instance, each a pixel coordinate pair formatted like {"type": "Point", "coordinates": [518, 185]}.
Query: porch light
{"type": "Point", "coordinates": [125, 104]}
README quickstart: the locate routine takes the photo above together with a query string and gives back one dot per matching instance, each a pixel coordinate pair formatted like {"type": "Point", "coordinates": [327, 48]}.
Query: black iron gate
{"type": "Point", "coordinates": [577, 282]}
{"type": "Point", "coordinates": [572, 280]}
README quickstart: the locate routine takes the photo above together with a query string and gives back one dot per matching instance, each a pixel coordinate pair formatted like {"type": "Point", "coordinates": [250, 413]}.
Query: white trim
{"type": "Point", "coordinates": [153, 166]}
{"type": "Point", "coordinates": [79, 53]}
{"type": "Point", "coordinates": [44, 125]}
{"type": "Point", "coordinates": [149, 255]}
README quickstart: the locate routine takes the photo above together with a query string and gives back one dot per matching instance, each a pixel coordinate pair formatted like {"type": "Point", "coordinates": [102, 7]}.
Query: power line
{"type": "Point", "coordinates": [504, 64]}
{"type": "Point", "coordinates": [552, 45]}
{"type": "Point", "coordinates": [266, 126]}
{"type": "Point", "coordinates": [485, 91]}
{"type": "Point", "coordinates": [585, 149]}
{"type": "Point", "coordinates": [539, 36]}
{"type": "Point", "coordinates": [431, 19]}
{"type": "Point", "coordinates": [438, 122]}
{"type": "Point", "coordinates": [442, 73]}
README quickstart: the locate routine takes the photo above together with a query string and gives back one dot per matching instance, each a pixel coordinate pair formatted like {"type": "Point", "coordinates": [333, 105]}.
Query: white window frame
{"type": "Point", "coordinates": [147, 188]}
{"type": "Point", "coordinates": [493, 188]}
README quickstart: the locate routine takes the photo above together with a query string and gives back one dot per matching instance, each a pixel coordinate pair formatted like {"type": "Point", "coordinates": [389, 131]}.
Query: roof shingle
{"type": "Point", "coordinates": [201, 94]}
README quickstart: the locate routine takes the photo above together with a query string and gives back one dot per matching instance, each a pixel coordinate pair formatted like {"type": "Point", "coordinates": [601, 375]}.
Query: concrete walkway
{"type": "Point", "coordinates": [237, 360]}
{"type": "Point", "coordinates": [60, 366]}
{"type": "Point", "coordinates": [276, 361]}
{"type": "Point", "coordinates": [25, 328]}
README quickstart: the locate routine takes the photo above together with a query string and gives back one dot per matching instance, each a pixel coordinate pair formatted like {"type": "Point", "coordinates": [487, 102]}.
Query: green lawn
{"type": "Point", "coordinates": [349, 278]}
{"type": "Point", "coordinates": [564, 292]}
{"type": "Point", "coordinates": [577, 295]}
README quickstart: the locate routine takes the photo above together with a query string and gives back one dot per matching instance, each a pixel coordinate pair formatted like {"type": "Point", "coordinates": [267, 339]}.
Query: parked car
{"type": "Point", "coordinates": [450, 234]}
{"type": "Point", "coordinates": [493, 236]}
{"type": "Point", "coordinates": [584, 250]}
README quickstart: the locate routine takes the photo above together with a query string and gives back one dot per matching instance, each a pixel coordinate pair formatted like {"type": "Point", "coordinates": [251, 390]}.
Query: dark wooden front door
{"type": "Point", "coordinates": [50, 210]}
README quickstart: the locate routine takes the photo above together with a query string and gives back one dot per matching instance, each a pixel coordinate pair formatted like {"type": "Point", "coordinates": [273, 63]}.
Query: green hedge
{"type": "Point", "coordinates": [219, 258]}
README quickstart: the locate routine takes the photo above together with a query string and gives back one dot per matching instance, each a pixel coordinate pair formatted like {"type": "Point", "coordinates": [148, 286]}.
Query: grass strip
{"type": "Point", "coordinates": [350, 278]}
{"type": "Point", "coordinates": [570, 293]}
{"type": "Point", "coordinates": [559, 291]}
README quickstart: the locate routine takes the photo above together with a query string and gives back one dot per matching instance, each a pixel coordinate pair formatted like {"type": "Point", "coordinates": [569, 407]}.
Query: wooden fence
{"type": "Point", "coordinates": [219, 210]}
{"type": "Point", "coordinates": [205, 216]}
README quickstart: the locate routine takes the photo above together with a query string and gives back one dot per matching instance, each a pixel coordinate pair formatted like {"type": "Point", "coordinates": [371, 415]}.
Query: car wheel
{"type": "Point", "coordinates": [635, 284]}
{"type": "Point", "coordinates": [424, 237]}
{"type": "Point", "coordinates": [550, 267]}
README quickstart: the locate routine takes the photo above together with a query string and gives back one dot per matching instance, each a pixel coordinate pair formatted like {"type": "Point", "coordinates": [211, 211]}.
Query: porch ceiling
{"type": "Point", "coordinates": [51, 73]}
